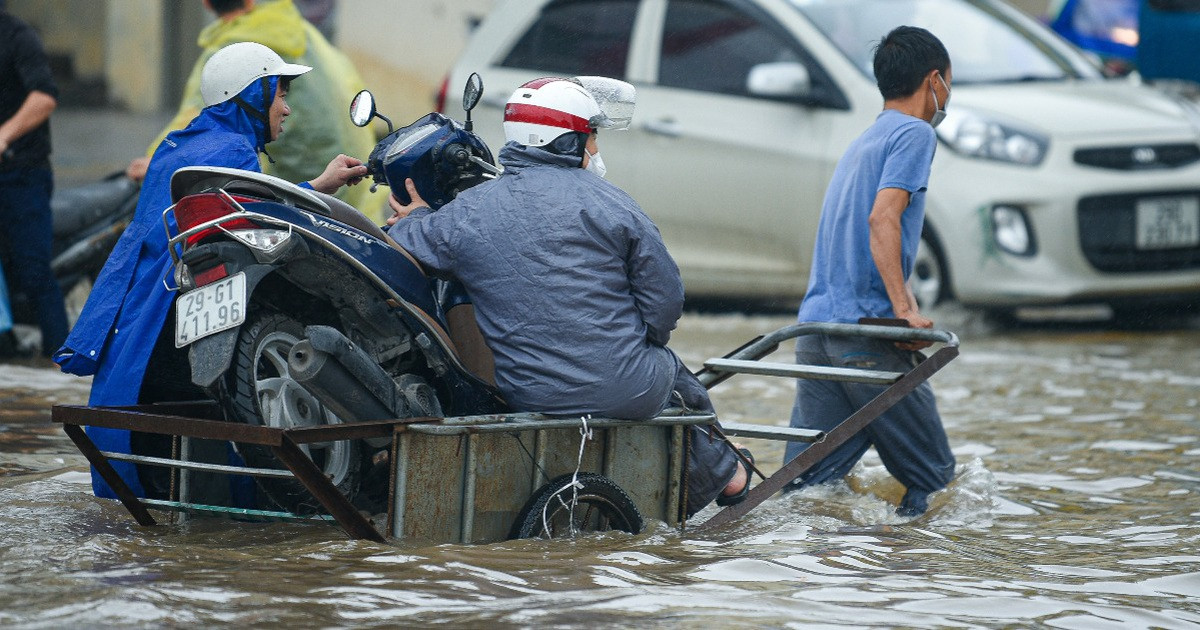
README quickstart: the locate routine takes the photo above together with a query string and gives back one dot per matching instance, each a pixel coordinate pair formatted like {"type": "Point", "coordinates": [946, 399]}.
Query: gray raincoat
{"type": "Point", "coordinates": [574, 292]}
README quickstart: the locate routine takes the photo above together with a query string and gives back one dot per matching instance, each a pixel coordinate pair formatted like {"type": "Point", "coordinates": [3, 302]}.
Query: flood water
{"type": "Point", "coordinates": [1076, 505]}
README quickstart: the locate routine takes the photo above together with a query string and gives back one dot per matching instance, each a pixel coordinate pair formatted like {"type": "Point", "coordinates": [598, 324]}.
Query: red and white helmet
{"type": "Point", "coordinates": [544, 109]}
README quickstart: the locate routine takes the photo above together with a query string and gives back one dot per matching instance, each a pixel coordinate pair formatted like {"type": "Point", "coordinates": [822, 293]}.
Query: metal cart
{"type": "Point", "coordinates": [478, 479]}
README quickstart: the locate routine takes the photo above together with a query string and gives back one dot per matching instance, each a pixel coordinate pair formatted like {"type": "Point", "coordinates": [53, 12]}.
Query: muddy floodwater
{"type": "Point", "coordinates": [1076, 505]}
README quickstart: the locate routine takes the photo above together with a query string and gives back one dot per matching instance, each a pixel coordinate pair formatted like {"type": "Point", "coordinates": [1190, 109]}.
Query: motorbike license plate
{"type": "Point", "coordinates": [210, 309]}
{"type": "Point", "coordinates": [1168, 222]}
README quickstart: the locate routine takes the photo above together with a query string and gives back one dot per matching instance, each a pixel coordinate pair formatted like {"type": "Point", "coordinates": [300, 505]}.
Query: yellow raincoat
{"type": "Point", "coordinates": [319, 127]}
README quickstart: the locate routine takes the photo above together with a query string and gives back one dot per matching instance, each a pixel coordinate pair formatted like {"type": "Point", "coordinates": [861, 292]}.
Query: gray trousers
{"type": "Point", "coordinates": [909, 437]}
{"type": "Point", "coordinates": [711, 462]}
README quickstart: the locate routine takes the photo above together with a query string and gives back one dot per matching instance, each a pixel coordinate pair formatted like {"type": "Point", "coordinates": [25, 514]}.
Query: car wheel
{"type": "Point", "coordinates": [929, 280]}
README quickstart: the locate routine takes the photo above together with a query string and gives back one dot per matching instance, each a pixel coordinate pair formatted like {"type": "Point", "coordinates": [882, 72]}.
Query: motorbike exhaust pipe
{"type": "Point", "coordinates": [344, 378]}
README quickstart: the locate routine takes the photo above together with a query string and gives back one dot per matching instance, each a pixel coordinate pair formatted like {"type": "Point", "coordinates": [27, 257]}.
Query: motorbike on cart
{"type": "Point", "coordinates": [296, 310]}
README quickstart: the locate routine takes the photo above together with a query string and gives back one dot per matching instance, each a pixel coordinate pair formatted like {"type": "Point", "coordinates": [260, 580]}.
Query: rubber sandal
{"type": "Point", "coordinates": [734, 499]}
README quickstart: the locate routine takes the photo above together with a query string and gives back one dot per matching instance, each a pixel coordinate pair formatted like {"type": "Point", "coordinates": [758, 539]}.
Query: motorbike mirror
{"type": "Point", "coordinates": [362, 108]}
{"type": "Point", "coordinates": [471, 95]}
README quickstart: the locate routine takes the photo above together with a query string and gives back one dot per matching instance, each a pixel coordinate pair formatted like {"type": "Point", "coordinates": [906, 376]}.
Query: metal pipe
{"type": "Point", "coordinates": [401, 464]}
{"type": "Point", "coordinates": [468, 497]}
{"type": "Point", "coordinates": [185, 466]}
{"type": "Point", "coordinates": [562, 423]}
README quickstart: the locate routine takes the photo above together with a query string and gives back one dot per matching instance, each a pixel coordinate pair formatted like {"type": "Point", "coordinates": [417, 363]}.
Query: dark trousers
{"type": "Point", "coordinates": [711, 462]}
{"type": "Point", "coordinates": [909, 437]}
{"type": "Point", "coordinates": [26, 237]}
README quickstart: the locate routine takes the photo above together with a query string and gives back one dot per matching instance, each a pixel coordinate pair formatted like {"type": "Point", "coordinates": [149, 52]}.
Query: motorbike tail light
{"type": "Point", "coordinates": [439, 99]}
{"type": "Point", "coordinates": [198, 209]}
{"type": "Point", "coordinates": [210, 275]}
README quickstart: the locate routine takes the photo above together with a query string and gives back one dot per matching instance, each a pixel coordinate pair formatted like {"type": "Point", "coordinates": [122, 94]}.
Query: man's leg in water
{"type": "Point", "coordinates": [821, 406]}
{"type": "Point", "coordinates": [909, 436]}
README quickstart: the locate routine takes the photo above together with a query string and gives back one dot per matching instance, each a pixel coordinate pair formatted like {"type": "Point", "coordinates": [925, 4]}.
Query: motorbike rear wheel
{"type": "Point", "coordinates": [259, 390]}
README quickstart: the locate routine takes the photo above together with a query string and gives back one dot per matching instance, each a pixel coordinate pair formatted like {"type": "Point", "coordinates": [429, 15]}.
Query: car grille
{"type": "Point", "coordinates": [1108, 236]}
{"type": "Point", "coordinates": [1139, 157]}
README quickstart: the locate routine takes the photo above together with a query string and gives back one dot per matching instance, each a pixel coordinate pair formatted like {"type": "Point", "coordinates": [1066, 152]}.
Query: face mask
{"type": "Point", "coordinates": [596, 164]}
{"type": "Point", "coordinates": [939, 113]}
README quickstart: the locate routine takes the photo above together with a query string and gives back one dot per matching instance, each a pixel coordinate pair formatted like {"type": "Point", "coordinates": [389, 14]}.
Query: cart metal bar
{"type": "Point", "coordinates": [523, 424]}
{"type": "Point", "coordinates": [110, 476]}
{"type": "Point", "coordinates": [769, 343]}
{"type": "Point", "coordinates": [188, 465]}
{"type": "Point", "coordinates": [353, 431]}
{"type": "Point", "coordinates": [838, 436]}
{"type": "Point", "coordinates": [815, 372]}
{"type": "Point", "coordinates": [326, 493]}
{"type": "Point", "coordinates": [228, 512]}
{"type": "Point", "coordinates": [133, 419]}
{"type": "Point", "coordinates": [765, 432]}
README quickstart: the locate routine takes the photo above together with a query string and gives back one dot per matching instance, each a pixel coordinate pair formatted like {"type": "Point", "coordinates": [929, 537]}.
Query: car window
{"type": "Point", "coordinates": [577, 37]}
{"type": "Point", "coordinates": [711, 47]}
{"type": "Point", "coordinates": [985, 44]}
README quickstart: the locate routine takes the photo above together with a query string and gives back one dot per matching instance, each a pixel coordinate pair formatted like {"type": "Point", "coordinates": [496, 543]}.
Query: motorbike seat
{"type": "Point", "coordinates": [79, 207]}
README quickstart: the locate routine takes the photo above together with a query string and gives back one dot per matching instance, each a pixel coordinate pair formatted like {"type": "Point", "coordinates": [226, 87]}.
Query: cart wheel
{"type": "Point", "coordinates": [260, 391]}
{"type": "Point", "coordinates": [601, 505]}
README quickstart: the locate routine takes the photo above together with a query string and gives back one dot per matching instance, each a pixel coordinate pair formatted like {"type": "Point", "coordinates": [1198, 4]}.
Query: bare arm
{"type": "Point", "coordinates": [890, 204]}
{"type": "Point", "coordinates": [33, 112]}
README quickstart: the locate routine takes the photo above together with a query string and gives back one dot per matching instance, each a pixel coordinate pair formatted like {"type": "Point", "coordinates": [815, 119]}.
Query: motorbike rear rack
{"type": "Point", "coordinates": [200, 420]}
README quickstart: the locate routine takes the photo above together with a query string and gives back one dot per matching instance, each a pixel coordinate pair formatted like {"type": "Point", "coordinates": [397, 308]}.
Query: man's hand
{"type": "Point", "coordinates": [137, 169]}
{"type": "Point", "coordinates": [3, 150]}
{"type": "Point", "coordinates": [342, 170]}
{"type": "Point", "coordinates": [915, 320]}
{"type": "Point", "coordinates": [399, 210]}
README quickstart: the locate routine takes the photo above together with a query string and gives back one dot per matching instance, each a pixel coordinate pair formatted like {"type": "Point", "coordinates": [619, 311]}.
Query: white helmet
{"type": "Point", "coordinates": [544, 109]}
{"type": "Point", "coordinates": [236, 66]}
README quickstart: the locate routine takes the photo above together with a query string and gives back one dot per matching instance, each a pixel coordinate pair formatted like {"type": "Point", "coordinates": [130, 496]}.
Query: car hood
{"type": "Point", "coordinates": [1082, 108]}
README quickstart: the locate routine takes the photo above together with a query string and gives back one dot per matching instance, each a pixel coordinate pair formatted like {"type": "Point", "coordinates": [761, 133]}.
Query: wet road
{"type": "Point", "coordinates": [1075, 506]}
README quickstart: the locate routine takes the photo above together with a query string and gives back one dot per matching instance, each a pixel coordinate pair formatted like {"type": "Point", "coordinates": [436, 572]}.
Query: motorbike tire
{"type": "Point", "coordinates": [259, 391]}
{"type": "Point", "coordinates": [601, 505]}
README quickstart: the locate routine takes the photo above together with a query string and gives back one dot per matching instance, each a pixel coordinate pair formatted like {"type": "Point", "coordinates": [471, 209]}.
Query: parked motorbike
{"type": "Point", "coordinates": [87, 220]}
{"type": "Point", "coordinates": [297, 311]}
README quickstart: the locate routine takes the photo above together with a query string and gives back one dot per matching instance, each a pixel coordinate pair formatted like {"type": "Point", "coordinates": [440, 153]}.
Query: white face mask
{"type": "Point", "coordinates": [596, 164]}
{"type": "Point", "coordinates": [939, 113]}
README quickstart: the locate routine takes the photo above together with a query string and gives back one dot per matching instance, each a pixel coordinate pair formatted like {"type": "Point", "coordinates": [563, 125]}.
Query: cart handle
{"type": "Point", "coordinates": [768, 343]}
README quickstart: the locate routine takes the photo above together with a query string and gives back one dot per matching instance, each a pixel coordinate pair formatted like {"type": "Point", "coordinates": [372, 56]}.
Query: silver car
{"type": "Point", "coordinates": [1051, 184]}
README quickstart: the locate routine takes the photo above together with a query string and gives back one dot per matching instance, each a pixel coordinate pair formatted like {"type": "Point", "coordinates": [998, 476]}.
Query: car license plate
{"type": "Point", "coordinates": [210, 309]}
{"type": "Point", "coordinates": [1168, 222]}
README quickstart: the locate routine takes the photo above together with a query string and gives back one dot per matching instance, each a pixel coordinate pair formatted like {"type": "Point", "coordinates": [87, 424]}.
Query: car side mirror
{"type": "Point", "coordinates": [362, 108]}
{"type": "Point", "coordinates": [779, 79]}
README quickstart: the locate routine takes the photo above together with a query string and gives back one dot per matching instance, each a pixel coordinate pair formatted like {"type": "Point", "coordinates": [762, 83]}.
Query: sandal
{"type": "Point", "coordinates": [734, 499]}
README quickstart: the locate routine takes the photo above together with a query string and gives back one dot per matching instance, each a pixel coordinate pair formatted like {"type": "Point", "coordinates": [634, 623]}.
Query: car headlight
{"type": "Point", "coordinates": [976, 135]}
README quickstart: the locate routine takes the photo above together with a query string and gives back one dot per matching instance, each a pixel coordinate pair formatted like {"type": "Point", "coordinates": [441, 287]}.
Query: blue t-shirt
{"type": "Point", "coordinates": [844, 285]}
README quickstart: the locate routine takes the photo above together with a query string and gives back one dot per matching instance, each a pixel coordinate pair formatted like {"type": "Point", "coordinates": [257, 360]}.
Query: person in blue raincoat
{"type": "Point", "coordinates": [574, 290]}
{"type": "Point", "coordinates": [244, 87]}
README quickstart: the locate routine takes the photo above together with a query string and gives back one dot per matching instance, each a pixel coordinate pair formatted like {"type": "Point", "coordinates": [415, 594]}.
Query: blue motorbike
{"type": "Point", "coordinates": [295, 310]}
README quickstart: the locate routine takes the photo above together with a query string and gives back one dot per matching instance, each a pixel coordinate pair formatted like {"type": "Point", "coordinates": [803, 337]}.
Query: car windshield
{"type": "Point", "coordinates": [986, 44]}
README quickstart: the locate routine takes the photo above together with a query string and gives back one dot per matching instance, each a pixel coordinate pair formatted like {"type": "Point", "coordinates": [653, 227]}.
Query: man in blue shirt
{"type": "Point", "coordinates": [866, 242]}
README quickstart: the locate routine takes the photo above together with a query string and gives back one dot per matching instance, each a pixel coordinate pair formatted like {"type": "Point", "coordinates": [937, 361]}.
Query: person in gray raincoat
{"type": "Point", "coordinates": [573, 288]}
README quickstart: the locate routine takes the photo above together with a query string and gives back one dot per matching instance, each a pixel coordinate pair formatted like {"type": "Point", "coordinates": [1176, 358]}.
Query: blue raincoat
{"type": "Point", "coordinates": [127, 307]}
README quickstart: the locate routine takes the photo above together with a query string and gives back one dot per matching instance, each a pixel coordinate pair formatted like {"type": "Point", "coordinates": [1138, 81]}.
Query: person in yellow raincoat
{"type": "Point", "coordinates": [319, 127]}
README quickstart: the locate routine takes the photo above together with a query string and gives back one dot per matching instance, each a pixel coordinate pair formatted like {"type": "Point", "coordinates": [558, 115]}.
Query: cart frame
{"type": "Point", "coordinates": [659, 483]}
